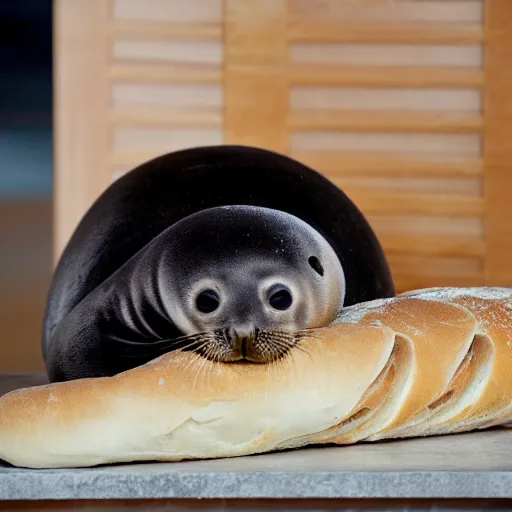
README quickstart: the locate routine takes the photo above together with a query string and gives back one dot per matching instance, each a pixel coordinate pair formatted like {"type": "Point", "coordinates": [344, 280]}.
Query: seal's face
{"type": "Point", "coordinates": [252, 278]}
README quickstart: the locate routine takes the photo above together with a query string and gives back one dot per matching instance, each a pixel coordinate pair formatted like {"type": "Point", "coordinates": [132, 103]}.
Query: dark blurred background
{"type": "Point", "coordinates": [26, 168]}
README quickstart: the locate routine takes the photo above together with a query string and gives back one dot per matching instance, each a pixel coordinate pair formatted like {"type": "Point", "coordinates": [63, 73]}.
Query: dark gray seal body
{"type": "Point", "coordinates": [230, 251]}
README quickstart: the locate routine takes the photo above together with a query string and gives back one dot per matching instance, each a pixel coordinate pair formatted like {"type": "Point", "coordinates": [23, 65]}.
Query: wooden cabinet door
{"type": "Point", "coordinates": [405, 104]}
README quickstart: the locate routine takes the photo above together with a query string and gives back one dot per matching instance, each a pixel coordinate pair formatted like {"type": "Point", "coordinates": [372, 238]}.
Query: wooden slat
{"type": "Point", "coordinates": [389, 98]}
{"type": "Point", "coordinates": [468, 187]}
{"type": "Point", "coordinates": [172, 11]}
{"type": "Point", "coordinates": [127, 159]}
{"type": "Point", "coordinates": [182, 55]}
{"type": "Point", "coordinates": [142, 116]}
{"type": "Point", "coordinates": [81, 100]}
{"type": "Point", "coordinates": [377, 164]}
{"type": "Point", "coordinates": [377, 202]}
{"type": "Point", "coordinates": [140, 73]}
{"type": "Point", "coordinates": [419, 225]}
{"type": "Point", "coordinates": [392, 121]}
{"type": "Point", "coordinates": [256, 83]}
{"type": "Point", "coordinates": [405, 283]}
{"type": "Point", "coordinates": [335, 31]}
{"type": "Point", "coordinates": [454, 144]}
{"type": "Point", "coordinates": [384, 76]}
{"type": "Point", "coordinates": [165, 139]}
{"type": "Point", "coordinates": [410, 11]}
{"type": "Point", "coordinates": [436, 267]}
{"type": "Point", "coordinates": [497, 143]}
{"type": "Point", "coordinates": [184, 95]}
{"type": "Point", "coordinates": [432, 245]}
{"type": "Point", "coordinates": [157, 30]}
{"type": "Point", "coordinates": [388, 54]}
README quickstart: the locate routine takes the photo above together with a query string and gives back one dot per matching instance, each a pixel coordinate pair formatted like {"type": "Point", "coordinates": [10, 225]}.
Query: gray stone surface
{"type": "Point", "coordinates": [476, 465]}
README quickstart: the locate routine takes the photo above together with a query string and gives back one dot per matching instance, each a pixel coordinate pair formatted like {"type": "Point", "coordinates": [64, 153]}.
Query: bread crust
{"type": "Point", "coordinates": [427, 363]}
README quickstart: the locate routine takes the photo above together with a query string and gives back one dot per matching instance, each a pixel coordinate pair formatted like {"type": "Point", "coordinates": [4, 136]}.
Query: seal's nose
{"type": "Point", "coordinates": [242, 336]}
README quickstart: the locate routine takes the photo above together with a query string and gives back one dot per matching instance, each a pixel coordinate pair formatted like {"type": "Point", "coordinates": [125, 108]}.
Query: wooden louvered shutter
{"type": "Point", "coordinates": [405, 104]}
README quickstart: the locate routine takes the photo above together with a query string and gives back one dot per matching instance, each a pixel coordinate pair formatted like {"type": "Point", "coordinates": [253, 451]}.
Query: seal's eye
{"type": "Point", "coordinates": [316, 265]}
{"type": "Point", "coordinates": [207, 301]}
{"type": "Point", "coordinates": [280, 297]}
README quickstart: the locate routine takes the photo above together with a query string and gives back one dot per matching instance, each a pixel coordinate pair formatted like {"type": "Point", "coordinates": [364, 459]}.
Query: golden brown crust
{"type": "Point", "coordinates": [430, 362]}
{"type": "Point", "coordinates": [428, 324]}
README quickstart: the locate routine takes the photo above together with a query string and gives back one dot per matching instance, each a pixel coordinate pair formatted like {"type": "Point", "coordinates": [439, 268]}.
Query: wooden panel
{"type": "Point", "coordinates": [384, 76]}
{"type": "Point", "coordinates": [417, 32]}
{"type": "Point", "coordinates": [397, 124]}
{"type": "Point", "coordinates": [193, 116]}
{"type": "Point", "coordinates": [498, 147]}
{"type": "Point", "coordinates": [466, 144]}
{"type": "Point", "coordinates": [389, 54]}
{"type": "Point", "coordinates": [382, 202]}
{"type": "Point", "coordinates": [256, 82]}
{"type": "Point", "coordinates": [398, 121]}
{"type": "Point", "coordinates": [401, 99]}
{"type": "Point", "coordinates": [386, 101]}
{"type": "Point", "coordinates": [432, 245]}
{"type": "Point", "coordinates": [164, 74]}
{"type": "Point", "coordinates": [132, 79]}
{"type": "Point", "coordinates": [398, 127]}
{"type": "Point", "coordinates": [81, 99]}
{"type": "Point", "coordinates": [392, 100]}
{"type": "Point", "coordinates": [428, 185]}
{"type": "Point", "coordinates": [166, 79]}
{"type": "Point", "coordinates": [165, 140]}
{"type": "Point", "coordinates": [436, 267]}
{"type": "Point", "coordinates": [414, 282]}
{"type": "Point", "coordinates": [158, 29]}
{"type": "Point", "coordinates": [410, 271]}
{"type": "Point", "coordinates": [427, 225]}
{"type": "Point", "coordinates": [400, 165]}
{"type": "Point", "coordinates": [167, 95]}
{"type": "Point", "coordinates": [168, 50]}
{"type": "Point", "coordinates": [459, 11]}
{"type": "Point", "coordinates": [123, 160]}
{"type": "Point", "coordinates": [169, 10]}
{"type": "Point", "coordinates": [120, 162]}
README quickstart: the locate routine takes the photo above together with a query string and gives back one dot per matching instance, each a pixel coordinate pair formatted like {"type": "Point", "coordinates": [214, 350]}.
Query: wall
{"type": "Point", "coordinates": [26, 166]}
{"type": "Point", "coordinates": [384, 98]}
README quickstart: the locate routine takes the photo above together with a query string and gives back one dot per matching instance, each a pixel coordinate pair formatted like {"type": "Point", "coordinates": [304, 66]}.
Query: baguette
{"type": "Point", "coordinates": [429, 362]}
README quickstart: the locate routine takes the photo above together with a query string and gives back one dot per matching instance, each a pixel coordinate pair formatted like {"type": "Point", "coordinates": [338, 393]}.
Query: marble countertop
{"type": "Point", "coordinates": [475, 465]}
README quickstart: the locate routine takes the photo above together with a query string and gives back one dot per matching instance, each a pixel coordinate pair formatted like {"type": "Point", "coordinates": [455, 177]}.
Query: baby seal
{"type": "Point", "coordinates": [231, 252]}
{"type": "Point", "coordinates": [239, 277]}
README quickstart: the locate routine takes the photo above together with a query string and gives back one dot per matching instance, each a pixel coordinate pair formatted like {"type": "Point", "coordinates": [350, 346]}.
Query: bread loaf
{"type": "Point", "coordinates": [430, 362]}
